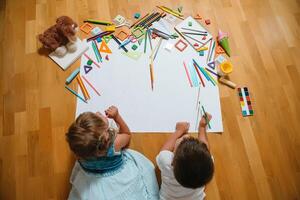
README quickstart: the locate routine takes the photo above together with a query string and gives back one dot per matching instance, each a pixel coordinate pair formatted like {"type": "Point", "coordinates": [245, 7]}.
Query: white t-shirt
{"type": "Point", "coordinates": [170, 188]}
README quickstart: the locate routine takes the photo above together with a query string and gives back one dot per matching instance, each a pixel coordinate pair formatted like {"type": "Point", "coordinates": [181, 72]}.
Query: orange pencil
{"type": "Point", "coordinates": [82, 87]}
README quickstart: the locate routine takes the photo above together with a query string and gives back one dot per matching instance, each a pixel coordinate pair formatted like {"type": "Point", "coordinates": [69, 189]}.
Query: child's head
{"type": "Point", "coordinates": [89, 136]}
{"type": "Point", "coordinates": [193, 165]}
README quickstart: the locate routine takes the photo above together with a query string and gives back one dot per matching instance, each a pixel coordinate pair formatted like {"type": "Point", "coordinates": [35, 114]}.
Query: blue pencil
{"type": "Point", "coordinates": [201, 70]}
{"type": "Point", "coordinates": [76, 94]}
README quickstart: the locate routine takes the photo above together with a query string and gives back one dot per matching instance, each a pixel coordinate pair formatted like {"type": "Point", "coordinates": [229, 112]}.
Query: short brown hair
{"type": "Point", "coordinates": [193, 165]}
{"type": "Point", "coordinates": [85, 135]}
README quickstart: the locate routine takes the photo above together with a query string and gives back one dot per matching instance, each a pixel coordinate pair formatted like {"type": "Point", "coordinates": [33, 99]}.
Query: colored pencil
{"type": "Point", "coordinates": [83, 88]}
{"type": "Point", "coordinates": [99, 35]}
{"type": "Point", "coordinates": [91, 60]}
{"type": "Point", "coordinates": [151, 72]}
{"type": "Point", "coordinates": [197, 70]}
{"type": "Point", "coordinates": [156, 18]}
{"type": "Point", "coordinates": [148, 19]}
{"type": "Point", "coordinates": [212, 50]}
{"type": "Point", "coordinates": [211, 71]}
{"type": "Point", "coordinates": [144, 20]}
{"type": "Point", "coordinates": [189, 33]}
{"type": "Point", "coordinates": [207, 75]}
{"type": "Point", "coordinates": [187, 74]}
{"type": "Point", "coordinates": [91, 85]}
{"type": "Point", "coordinates": [119, 43]}
{"type": "Point", "coordinates": [76, 94]}
{"type": "Point", "coordinates": [92, 21]}
{"type": "Point", "coordinates": [174, 11]}
{"type": "Point", "coordinates": [145, 44]}
{"type": "Point", "coordinates": [185, 35]}
{"type": "Point", "coordinates": [211, 78]}
{"type": "Point", "coordinates": [206, 117]}
{"type": "Point", "coordinates": [170, 12]}
{"type": "Point", "coordinates": [139, 20]}
{"type": "Point", "coordinates": [209, 49]}
{"type": "Point", "coordinates": [189, 29]}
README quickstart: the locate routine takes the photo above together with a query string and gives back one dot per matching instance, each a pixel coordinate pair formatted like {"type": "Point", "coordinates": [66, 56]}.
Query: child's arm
{"type": "Point", "coordinates": [123, 137]}
{"type": "Point", "coordinates": [202, 136]}
{"type": "Point", "coordinates": [181, 129]}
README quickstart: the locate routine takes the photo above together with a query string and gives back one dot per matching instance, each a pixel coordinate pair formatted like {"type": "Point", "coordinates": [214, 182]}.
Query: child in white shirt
{"type": "Point", "coordinates": [185, 163]}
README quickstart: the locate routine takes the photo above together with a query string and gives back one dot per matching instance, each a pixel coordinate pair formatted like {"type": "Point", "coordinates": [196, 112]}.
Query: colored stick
{"type": "Point", "coordinates": [76, 94]}
{"type": "Point", "coordinates": [149, 36]}
{"type": "Point", "coordinates": [187, 74]}
{"type": "Point", "coordinates": [209, 49]}
{"type": "Point", "coordinates": [189, 29]}
{"type": "Point", "coordinates": [211, 71]}
{"type": "Point", "coordinates": [83, 88]}
{"type": "Point", "coordinates": [72, 76]}
{"type": "Point", "coordinates": [91, 60]}
{"type": "Point", "coordinates": [206, 117]}
{"type": "Point", "coordinates": [158, 45]}
{"type": "Point", "coordinates": [119, 43]}
{"type": "Point", "coordinates": [96, 52]}
{"type": "Point", "coordinates": [99, 35]}
{"type": "Point", "coordinates": [170, 12]}
{"type": "Point", "coordinates": [138, 21]}
{"type": "Point", "coordinates": [197, 70]}
{"type": "Point", "coordinates": [145, 45]}
{"type": "Point", "coordinates": [212, 50]}
{"type": "Point", "coordinates": [92, 21]}
{"type": "Point", "coordinates": [151, 73]}
{"type": "Point", "coordinates": [91, 85]}
{"type": "Point", "coordinates": [211, 78]}
{"type": "Point", "coordinates": [207, 75]}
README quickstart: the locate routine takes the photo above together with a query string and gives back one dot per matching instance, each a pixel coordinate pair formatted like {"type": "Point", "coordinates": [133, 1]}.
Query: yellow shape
{"type": "Point", "coordinates": [110, 28]}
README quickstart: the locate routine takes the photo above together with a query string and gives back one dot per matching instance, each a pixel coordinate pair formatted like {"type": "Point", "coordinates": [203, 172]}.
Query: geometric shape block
{"type": "Point", "coordinates": [96, 31]}
{"type": "Point", "coordinates": [207, 21]}
{"type": "Point", "coordinates": [204, 38]}
{"type": "Point", "coordinates": [86, 28]}
{"type": "Point", "coordinates": [137, 15]}
{"type": "Point", "coordinates": [251, 112]}
{"type": "Point", "coordinates": [99, 39]}
{"type": "Point", "coordinates": [134, 47]}
{"type": "Point", "coordinates": [190, 23]}
{"type": "Point", "coordinates": [87, 68]}
{"type": "Point", "coordinates": [244, 113]}
{"type": "Point", "coordinates": [137, 32]}
{"type": "Point", "coordinates": [212, 65]}
{"type": "Point", "coordinates": [106, 57]}
{"type": "Point", "coordinates": [119, 19]}
{"type": "Point", "coordinates": [122, 33]}
{"type": "Point", "coordinates": [107, 38]}
{"type": "Point", "coordinates": [181, 45]}
{"type": "Point", "coordinates": [201, 53]}
{"type": "Point", "coordinates": [89, 62]}
{"type": "Point", "coordinates": [104, 48]}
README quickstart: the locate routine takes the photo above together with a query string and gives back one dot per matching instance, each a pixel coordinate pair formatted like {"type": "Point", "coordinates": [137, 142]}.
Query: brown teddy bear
{"type": "Point", "coordinates": [60, 37]}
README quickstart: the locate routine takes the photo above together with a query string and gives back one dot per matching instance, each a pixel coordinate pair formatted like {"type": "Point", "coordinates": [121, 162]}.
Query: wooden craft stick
{"type": "Point", "coordinates": [91, 85]}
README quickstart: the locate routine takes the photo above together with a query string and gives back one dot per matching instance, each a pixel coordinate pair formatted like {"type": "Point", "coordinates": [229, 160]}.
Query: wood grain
{"type": "Point", "coordinates": [256, 157]}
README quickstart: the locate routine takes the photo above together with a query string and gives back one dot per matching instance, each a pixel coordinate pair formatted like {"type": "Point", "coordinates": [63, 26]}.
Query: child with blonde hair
{"type": "Point", "coordinates": [105, 169]}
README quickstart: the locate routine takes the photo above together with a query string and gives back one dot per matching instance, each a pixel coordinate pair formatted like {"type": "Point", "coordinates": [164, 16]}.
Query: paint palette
{"type": "Point", "coordinates": [245, 101]}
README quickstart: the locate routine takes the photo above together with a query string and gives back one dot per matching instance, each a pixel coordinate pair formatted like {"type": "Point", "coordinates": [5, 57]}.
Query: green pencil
{"type": "Point", "coordinates": [76, 94]}
{"type": "Point", "coordinates": [145, 46]}
{"type": "Point", "coordinates": [206, 117]}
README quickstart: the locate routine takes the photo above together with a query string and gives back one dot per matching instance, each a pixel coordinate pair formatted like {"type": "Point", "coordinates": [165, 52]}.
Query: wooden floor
{"type": "Point", "coordinates": [256, 157]}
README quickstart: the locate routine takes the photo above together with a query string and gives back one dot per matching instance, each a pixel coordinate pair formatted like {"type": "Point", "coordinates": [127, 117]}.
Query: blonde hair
{"type": "Point", "coordinates": [86, 136]}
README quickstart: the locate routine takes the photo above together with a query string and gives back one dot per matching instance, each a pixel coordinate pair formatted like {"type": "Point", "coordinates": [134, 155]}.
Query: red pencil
{"type": "Point", "coordinates": [197, 70]}
{"type": "Point", "coordinates": [187, 74]}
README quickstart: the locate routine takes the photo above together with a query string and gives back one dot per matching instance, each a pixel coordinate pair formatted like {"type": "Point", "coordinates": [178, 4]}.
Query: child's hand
{"type": "Point", "coordinates": [182, 128]}
{"type": "Point", "coordinates": [203, 123]}
{"type": "Point", "coordinates": [112, 112]}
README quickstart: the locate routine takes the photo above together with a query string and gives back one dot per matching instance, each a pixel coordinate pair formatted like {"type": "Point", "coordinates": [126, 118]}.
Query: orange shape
{"type": "Point", "coordinates": [104, 48]}
{"type": "Point", "coordinates": [86, 28]}
{"type": "Point", "coordinates": [122, 33]}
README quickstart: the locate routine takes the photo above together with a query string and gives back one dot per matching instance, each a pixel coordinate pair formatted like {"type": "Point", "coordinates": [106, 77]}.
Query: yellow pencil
{"type": "Point", "coordinates": [170, 12]}
{"type": "Point", "coordinates": [207, 72]}
{"type": "Point", "coordinates": [82, 87]}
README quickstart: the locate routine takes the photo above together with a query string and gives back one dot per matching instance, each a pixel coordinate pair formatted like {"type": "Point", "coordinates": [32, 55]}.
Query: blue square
{"type": "Point", "coordinates": [99, 39]}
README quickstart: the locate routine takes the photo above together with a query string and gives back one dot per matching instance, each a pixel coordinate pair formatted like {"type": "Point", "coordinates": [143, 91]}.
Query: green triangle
{"type": "Point", "coordinates": [133, 54]}
{"type": "Point", "coordinates": [107, 38]}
